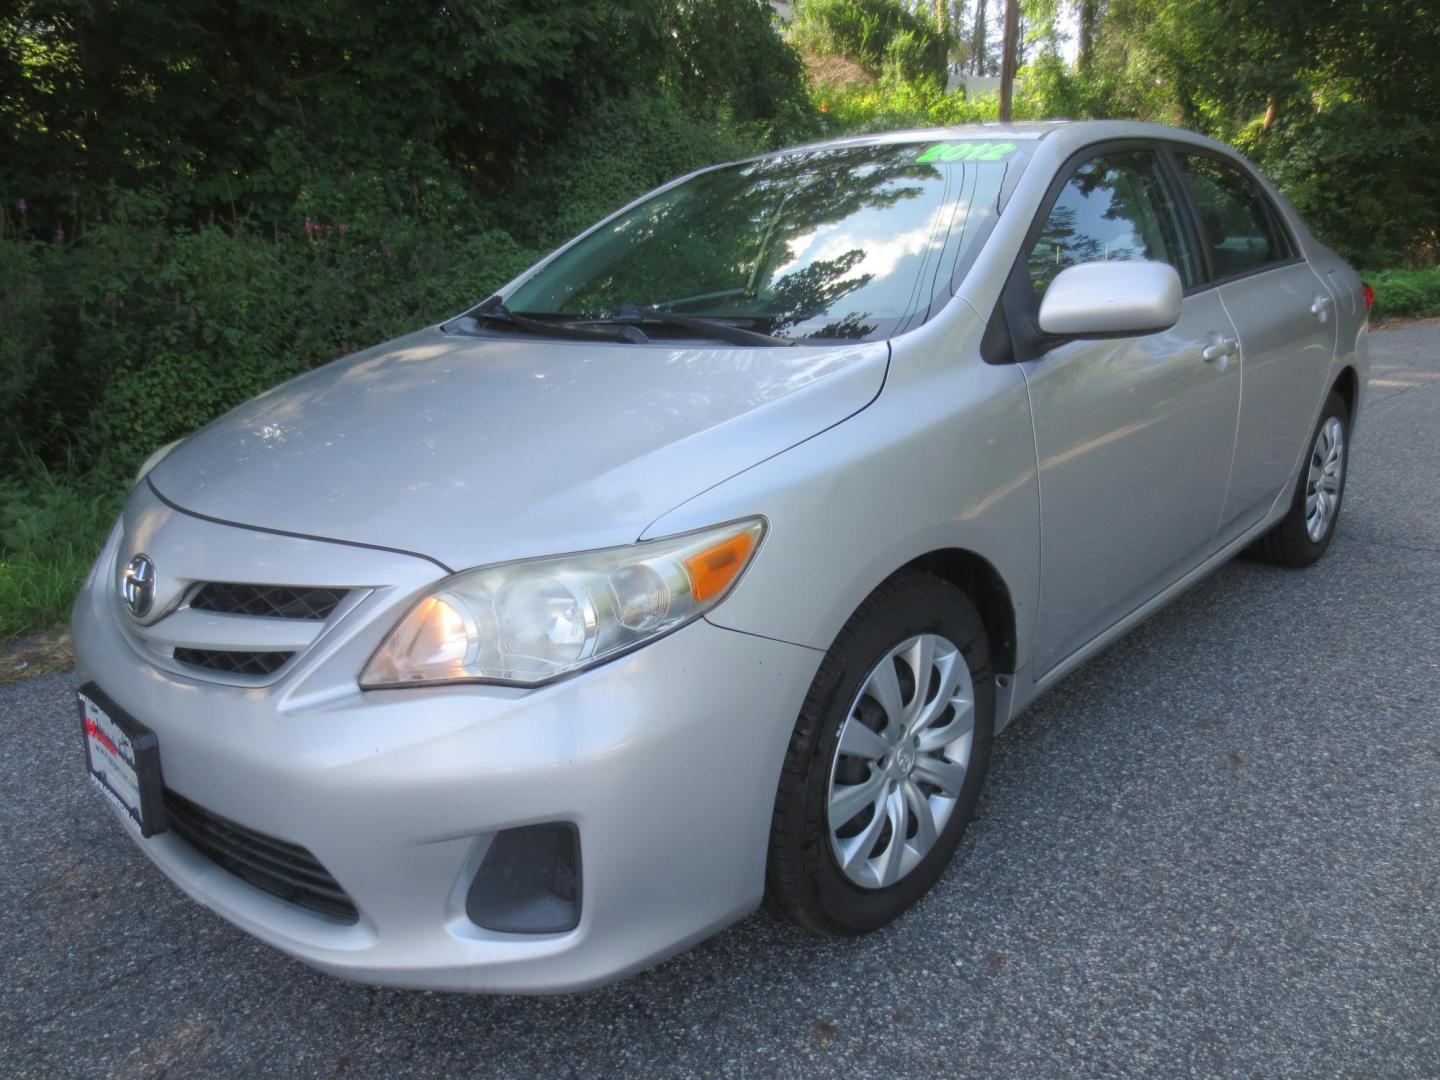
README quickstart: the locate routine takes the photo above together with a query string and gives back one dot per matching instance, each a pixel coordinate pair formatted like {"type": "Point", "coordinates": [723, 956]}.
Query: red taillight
{"type": "Point", "coordinates": [1369, 295]}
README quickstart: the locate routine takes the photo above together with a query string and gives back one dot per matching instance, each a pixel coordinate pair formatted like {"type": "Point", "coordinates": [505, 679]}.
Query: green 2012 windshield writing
{"type": "Point", "coordinates": [973, 151]}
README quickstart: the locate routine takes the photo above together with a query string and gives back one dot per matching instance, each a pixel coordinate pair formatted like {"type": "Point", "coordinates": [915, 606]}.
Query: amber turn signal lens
{"type": "Point", "coordinates": [712, 570]}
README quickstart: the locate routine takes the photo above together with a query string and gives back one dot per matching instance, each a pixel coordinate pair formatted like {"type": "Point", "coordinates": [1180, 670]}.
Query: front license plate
{"type": "Point", "coordinates": [123, 757]}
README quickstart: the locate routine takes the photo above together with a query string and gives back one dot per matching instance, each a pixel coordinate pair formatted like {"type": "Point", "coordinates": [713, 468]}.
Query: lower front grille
{"type": "Point", "coordinates": [234, 663]}
{"type": "Point", "coordinates": [277, 866]}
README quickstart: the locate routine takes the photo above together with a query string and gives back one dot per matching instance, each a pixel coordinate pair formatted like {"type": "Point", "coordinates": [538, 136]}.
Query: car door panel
{"type": "Point", "coordinates": [1134, 437]}
{"type": "Point", "coordinates": [1133, 444]}
{"type": "Point", "coordinates": [1286, 350]}
{"type": "Point", "coordinates": [1285, 315]}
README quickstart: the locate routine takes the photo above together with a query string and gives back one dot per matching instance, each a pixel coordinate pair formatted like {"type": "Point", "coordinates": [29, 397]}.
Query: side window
{"type": "Point", "coordinates": [1116, 206]}
{"type": "Point", "coordinates": [1234, 224]}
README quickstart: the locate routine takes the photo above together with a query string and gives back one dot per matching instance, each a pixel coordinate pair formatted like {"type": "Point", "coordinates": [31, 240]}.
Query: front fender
{"type": "Point", "coordinates": [944, 458]}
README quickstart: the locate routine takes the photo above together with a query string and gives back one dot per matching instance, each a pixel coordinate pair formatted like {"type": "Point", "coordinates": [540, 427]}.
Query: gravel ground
{"type": "Point", "coordinates": [1212, 851]}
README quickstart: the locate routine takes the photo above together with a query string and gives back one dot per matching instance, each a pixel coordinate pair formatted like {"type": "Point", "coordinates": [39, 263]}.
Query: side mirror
{"type": "Point", "coordinates": [1112, 299]}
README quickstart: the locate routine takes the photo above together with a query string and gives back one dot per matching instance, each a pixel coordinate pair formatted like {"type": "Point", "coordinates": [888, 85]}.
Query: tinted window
{"type": "Point", "coordinates": [1234, 224]}
{"type": "Point", "coordinates": [850, 242]}
{"type": "Point", "coordinates": [1115, 207]}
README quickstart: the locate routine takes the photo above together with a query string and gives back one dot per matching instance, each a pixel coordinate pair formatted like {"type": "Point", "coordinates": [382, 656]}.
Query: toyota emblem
{"type": "Point", "coordinates": [137, 586]}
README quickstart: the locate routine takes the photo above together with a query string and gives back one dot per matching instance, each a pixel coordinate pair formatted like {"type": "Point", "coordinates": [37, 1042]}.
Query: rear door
{"type": "Point", "coordinates": [1285, 316]}
{"type": "Point", "coordinates": [1133, 436]}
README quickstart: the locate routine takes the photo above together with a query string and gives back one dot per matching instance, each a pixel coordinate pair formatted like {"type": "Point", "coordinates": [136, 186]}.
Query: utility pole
{"type": "Point", "coordinates": [1007, 57]}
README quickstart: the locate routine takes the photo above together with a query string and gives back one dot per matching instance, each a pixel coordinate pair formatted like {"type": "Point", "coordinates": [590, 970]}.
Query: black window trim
{"type": "Point", "coordinates": [1012, 334]}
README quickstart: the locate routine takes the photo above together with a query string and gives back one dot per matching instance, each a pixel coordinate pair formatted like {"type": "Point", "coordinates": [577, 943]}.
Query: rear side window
{"type": "Point", "coordinates": [1235, 225]}
{"type": "Point", "coordinates": [1116, 206]}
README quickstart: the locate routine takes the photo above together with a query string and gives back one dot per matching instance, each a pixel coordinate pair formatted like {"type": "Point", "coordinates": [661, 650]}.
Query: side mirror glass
{"type": "Point", "coordinates": [1112, 299]}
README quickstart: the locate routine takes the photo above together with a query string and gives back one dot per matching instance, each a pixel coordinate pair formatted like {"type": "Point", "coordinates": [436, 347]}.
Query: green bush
{"type": "Point", "coordinates": [887, 105]}
{"type": "Point", "coordinates": [1405, 293]}
{"type": "Point", "coordinates": [51, 526]}
{"type": "Point", "coordinates": [26, 354]}
{"type": "Point", "coordinates": [882, 36]}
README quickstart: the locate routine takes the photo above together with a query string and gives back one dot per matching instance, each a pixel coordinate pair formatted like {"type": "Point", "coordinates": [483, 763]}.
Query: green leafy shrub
{"type": "Point", "coordinates": [880, 35]}
{"type": "Point", "coordinates": [51, 526]}
{"type": "Point", "coordinates": [1405, 293]}
{"type": "Point", "coordinates": [26, 354]}
{"type": "Point", "coordinates": [885, 106]}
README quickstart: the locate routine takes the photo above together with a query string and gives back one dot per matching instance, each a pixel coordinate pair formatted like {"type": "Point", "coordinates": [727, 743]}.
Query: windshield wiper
{"type": "Point", "coordinates": [495, 310]}
{"type": "Point", "coordinates": [701, 324]}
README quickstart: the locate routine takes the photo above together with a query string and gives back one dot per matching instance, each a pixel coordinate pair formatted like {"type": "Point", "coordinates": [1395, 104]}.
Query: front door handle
{"type": "Point", "coordinates": [1220, 348]}
{"type": "Point", "coordinates": [1320, 308]}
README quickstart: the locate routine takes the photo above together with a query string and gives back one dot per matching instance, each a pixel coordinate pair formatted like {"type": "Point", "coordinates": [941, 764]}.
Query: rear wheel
{"type": "Point", "coordinates": [886, 760]}
{"type": "Point", "coordinates": [1305, 531]}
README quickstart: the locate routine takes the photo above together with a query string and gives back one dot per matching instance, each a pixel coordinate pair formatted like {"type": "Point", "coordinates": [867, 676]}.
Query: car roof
{"type": "Point", "coordinates": [1072, 133]}
{"type": "Point", "coordinates": [1022, 131]}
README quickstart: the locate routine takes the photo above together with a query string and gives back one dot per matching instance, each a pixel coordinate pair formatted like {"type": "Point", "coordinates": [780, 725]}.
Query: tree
{"type": "Point", "coordinates": [978, 47]}
{"type": "Point", "coordinates": [1008, 57]}
{"type": "Point", "coordinates": [227, 109]}
{"type": "Point", "coordinates": [1087, 26]}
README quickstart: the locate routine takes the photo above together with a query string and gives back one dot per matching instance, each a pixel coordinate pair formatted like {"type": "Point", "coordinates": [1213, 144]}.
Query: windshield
{"type": "Point", "coordinates": [851, 242]}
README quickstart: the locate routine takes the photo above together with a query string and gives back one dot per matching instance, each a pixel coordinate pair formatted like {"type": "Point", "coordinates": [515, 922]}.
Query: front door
{"type": "Point", "coordinates": [1134, 436]}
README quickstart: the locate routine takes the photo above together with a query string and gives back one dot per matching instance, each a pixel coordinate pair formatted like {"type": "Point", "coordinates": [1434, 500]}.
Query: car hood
{"type": "Point", "coordinates": [474, 450]}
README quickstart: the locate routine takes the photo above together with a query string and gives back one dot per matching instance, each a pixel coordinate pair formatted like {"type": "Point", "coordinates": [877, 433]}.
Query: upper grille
{"type": "Point", "coordinates": [232, 662]}
{"type": "Point", "coordinates": [268, 601]}
{"type": "Point", "coordinates": [278, 867]}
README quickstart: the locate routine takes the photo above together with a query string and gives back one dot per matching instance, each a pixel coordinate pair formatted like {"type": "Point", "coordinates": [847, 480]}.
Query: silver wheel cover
{"type": "Point", "coordinates": [900, 760]}
{"type": "Point", "coordinates": [1324, 480]}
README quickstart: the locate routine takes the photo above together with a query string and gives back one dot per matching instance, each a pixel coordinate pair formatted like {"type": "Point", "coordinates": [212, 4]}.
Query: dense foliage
{"type": "Point", "coordinates": [1338, 100]}
{"type": "Point", "coordinates": [881, 36]}
{"type": "Point", "coordinates": [199, 199]}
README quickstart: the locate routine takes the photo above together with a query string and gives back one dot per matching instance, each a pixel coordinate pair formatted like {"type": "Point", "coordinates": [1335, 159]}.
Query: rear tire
{"type": "Point", "coordinates": [902, 741]}
{"type": "Point", "coordinates": [1307, 528]}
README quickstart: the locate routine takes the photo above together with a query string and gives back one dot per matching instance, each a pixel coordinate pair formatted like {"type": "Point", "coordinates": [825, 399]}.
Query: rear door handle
{"type": "Point", "coordinates": [1221, 348]}
{"type": "Point", "coordinates": [1320, 308]}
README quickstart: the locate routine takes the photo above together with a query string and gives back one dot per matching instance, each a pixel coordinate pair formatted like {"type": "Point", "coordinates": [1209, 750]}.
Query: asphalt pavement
{"type": "Point", "coordinates": [1214, 850]}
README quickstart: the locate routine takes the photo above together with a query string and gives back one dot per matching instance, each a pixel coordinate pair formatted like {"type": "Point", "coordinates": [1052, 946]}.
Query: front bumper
{"type": "Point", "coordinates": [666, 762]}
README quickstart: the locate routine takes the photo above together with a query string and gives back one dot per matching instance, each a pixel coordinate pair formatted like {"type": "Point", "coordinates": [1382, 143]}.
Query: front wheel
{"type": "Point", "coordinates": [1306, 530]}
{"type": "Point", "coordinates": [886, 760]}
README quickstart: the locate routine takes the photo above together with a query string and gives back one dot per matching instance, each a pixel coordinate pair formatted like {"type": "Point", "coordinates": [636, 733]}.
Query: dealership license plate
{"type": "Point", "coordinates": [123, 758]}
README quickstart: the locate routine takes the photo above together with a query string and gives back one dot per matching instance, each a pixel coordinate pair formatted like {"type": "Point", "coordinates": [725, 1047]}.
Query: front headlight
{"type": "Point", "coordinates": [529, 622]}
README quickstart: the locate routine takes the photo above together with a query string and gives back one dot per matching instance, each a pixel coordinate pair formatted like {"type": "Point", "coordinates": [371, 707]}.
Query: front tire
{"type": "Point", "coordinates": [1305, 532]}
{"type": "Point", "coordinates": [886, 761]}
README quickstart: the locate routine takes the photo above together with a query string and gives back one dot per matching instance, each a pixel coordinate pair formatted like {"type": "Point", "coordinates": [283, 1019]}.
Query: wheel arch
{"type": "Point", "coordinates": [1347, 385]}
{"type": "Point", "coordinates": [978, 579]}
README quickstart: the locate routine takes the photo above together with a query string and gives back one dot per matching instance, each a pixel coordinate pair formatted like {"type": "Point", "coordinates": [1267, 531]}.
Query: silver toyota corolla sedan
{"type": "Point", "coordinates": [702, 563]}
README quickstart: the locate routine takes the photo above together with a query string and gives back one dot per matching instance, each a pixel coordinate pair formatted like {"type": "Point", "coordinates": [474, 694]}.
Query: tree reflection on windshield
{"type": "Point", "coordinates": [842, 243]}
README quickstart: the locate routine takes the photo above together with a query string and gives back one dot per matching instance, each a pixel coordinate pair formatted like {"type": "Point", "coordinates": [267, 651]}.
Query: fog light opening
{"type": "Point", "coordinates": [529, 881]}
